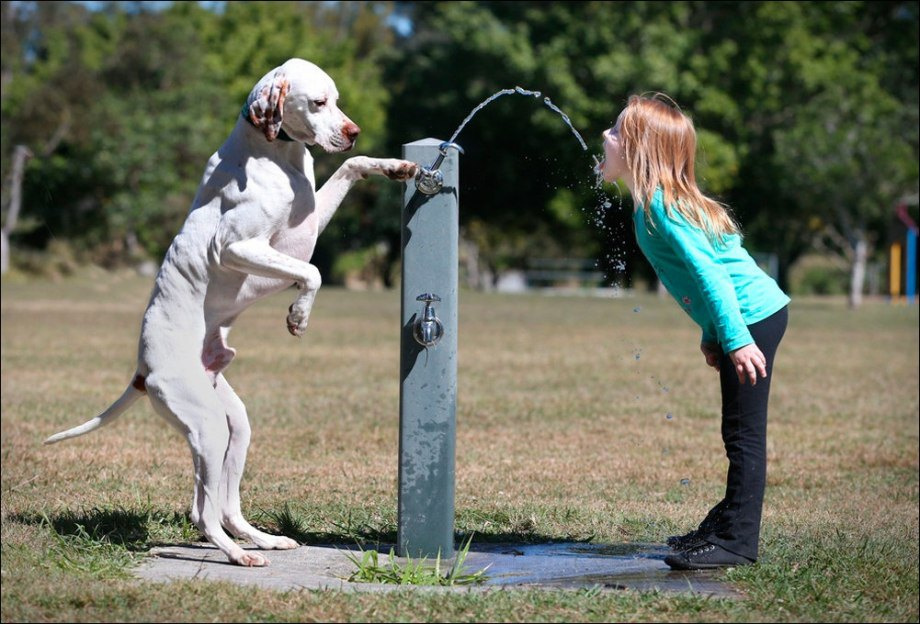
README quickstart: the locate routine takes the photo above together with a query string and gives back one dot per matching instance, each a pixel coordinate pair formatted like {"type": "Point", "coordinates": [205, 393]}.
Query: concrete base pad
{"type": "Point", "coordinates": [524, 566]}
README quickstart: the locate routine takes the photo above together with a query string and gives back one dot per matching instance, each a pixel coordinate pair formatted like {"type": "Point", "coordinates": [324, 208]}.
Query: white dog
{"type": "Point", "coordinates": [250, 233]}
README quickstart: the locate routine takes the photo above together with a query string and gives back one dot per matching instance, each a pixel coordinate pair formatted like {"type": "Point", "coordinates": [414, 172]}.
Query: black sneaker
{"type": "Point", "coordinates": [688, 540]}
{"type": "Point", "coordinates": [705, 557]}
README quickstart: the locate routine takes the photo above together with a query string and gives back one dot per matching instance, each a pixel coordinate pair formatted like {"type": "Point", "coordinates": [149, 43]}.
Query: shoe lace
{"type": "Point", "coordinates": [702, 550]}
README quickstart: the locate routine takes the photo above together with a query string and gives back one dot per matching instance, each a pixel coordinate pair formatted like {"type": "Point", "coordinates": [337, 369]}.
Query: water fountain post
{"type": "Point", "coordinates": [428, 357]}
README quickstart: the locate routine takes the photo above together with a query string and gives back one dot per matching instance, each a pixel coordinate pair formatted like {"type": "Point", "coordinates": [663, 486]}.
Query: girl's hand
{"type": "Point", "coordinates": [712, 353]}
{"type": "Point", "coordinates": [749, 361]}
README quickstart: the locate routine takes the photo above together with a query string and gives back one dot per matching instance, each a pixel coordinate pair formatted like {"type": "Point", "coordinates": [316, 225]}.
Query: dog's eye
{"type": "Point", "coordinates": [319, 103]}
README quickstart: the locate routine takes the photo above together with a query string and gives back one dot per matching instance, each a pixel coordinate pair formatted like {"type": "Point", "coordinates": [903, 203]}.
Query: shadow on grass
{"type": "Point", "coordinates": [134, 530]}
{"type": "Point", "coordinates": [360, 529]}
{"type": "Point", "coordinates": [139, 530]}
{"type": "Point", "coordinates": [382, 540]}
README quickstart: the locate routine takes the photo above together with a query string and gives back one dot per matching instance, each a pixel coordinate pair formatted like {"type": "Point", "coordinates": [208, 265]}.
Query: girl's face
{"type": "Point", "coordinates": [614, 165]}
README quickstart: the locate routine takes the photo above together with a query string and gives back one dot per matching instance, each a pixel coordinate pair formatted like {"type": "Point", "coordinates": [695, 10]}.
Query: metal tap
{"type": "Point", "coordinates": [430, 180]}
{"type": "Point", "coordinates": [428, 329]}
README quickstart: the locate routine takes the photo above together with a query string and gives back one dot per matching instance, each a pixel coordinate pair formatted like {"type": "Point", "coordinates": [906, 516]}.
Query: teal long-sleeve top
{"type": "Point", "coordinates": [717, 283]}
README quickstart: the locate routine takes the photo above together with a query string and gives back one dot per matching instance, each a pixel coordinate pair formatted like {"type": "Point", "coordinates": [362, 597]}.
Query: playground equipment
{"type": "Point", "coordinates": [909, 261]}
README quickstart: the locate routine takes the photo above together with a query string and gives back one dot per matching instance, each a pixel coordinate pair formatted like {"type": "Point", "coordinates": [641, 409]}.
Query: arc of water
{"type": "Point", "coordinates": [566, 119]}
{"type": "Point", "coordinates": [520, 91]}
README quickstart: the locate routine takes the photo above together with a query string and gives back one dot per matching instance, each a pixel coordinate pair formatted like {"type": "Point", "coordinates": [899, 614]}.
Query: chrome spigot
{"type": "Point", "coordinates": [428, 330]}
{"type": "Point", "coordinates": [430, 180]}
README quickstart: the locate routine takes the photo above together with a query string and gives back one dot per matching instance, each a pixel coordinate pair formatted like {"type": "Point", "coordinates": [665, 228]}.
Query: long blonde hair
{"type": "Point", "coordinates": [659, 144]}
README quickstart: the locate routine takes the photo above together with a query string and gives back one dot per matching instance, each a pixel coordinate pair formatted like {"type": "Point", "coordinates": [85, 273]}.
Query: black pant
{"type": "Point", "coordinates": [734, 523]}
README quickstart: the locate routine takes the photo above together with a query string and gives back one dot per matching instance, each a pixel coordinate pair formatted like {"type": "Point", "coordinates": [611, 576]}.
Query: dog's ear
{"type": "Point", "coordinates": [267, 111]}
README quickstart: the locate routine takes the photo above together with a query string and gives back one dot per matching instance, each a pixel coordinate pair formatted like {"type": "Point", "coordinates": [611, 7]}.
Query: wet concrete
{"type": "Point", "coordinates": [607, 567]}
{"type": "Point", "coordinates": [639, 567]}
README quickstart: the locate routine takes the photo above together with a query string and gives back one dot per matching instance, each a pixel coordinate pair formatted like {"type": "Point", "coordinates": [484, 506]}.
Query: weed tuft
{"type": "Point", "coordinates": [417, 572]}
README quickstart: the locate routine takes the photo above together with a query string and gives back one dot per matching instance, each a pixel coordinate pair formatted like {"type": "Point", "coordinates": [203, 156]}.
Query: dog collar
{"type": "Point", "coordinates": [244, 113]}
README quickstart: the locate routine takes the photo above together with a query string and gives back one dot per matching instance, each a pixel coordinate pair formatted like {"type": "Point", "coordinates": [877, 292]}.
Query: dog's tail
{"type": "Point", "coordinates": [132, 393]}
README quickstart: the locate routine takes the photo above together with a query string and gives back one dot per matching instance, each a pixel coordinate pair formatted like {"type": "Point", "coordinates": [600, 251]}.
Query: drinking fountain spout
{"type": "Point", "coordinates": [430, 180]}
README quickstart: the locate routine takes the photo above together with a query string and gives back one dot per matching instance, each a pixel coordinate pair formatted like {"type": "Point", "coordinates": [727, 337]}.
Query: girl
{"type": "Point", "coordinates": [694, 246]}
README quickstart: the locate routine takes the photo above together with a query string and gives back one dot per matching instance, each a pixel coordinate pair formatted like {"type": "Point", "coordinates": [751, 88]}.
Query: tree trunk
{"type": "Point", "coordinates": [20, 157]}
{"type": "Point", "coordinates": [4, 252]}
{"type": "Point", "coordinates": [858, 270]}
{"type": "Point", "coordinates": [469, 257]}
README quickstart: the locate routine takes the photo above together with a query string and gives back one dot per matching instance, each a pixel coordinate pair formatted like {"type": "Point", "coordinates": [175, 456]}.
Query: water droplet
{"type": "Point", "coordinates": [685, 481]}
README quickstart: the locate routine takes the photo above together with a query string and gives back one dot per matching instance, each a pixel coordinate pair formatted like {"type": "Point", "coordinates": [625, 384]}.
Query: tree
{"type": "Point", "coordinates": [524, 176]}
{"type": "Point", "coordinates": [31, 64]}
{"type": "Point", "coordinates": [812, 80]}
{"type": "Point", "coordinates": [151, 94]}
{"type": "Point", "coordinates": [133, 101]}
{"type": "Point", "coordinates": [846, 156]}
{"type": "Point", "coordinates": [20, 157]}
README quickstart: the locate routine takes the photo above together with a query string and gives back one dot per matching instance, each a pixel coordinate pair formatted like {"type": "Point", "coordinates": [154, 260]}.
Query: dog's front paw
{"type": "Point", "coordinates": [297, 319]}
{"type": "Point", "coordinates": [398, 169]}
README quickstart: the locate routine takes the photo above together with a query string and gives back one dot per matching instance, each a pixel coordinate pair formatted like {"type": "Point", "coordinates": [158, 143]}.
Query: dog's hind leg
{"type": "Point", "coordinates": [191, 403]}
{"type": "Point", "coordinates": [234, 462]}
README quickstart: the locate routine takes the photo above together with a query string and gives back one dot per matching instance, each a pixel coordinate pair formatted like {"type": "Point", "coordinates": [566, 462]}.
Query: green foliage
{"type": "Point", "coordinates": [806, 112]}
{"type": "Point", "coordinates": [744, 71]}
{"type": "Point", "coordinates": [139, 100]}
{"type": "Point", "coordinates": [717, 163]}
{"type": "Point", "coordinates": [417, 572]}
{"type": "Point", "coordinates": [818, 275]}
{"type": "Point", "coordinates": [56, 261]}
{"type": "Point", "coordinates": [365, 265]}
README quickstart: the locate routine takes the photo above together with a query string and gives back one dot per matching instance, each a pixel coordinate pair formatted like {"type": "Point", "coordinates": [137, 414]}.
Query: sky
{"type": "Point", "coordinates": [399, 22]}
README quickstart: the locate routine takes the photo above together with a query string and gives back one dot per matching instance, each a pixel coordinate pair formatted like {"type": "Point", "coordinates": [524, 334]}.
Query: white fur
{"type": "Point", "coordinates": [251, 232]}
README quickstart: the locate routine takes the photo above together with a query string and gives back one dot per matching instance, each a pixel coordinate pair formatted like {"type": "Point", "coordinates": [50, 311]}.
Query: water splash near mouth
{"type": "Point", "coordinates": [598, 171]}
{"type": "Point", "coordinates": [613, 265]}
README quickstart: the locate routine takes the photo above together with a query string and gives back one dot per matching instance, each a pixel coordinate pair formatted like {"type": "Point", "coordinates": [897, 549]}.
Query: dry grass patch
{"type": "Point", "coordinates": [563, 432]}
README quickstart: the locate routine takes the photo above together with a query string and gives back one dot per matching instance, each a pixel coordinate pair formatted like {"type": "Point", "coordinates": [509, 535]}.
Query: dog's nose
{"type": "Point", "coordinates": [351, 130]}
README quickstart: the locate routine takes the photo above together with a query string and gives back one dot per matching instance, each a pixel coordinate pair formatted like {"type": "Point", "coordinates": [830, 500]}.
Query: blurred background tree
{"type": "Point", "coordinates": [807, 115]}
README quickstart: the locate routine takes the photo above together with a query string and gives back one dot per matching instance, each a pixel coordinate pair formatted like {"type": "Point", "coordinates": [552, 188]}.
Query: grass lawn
{"type": "Point", "coordinates": [578, 418]}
